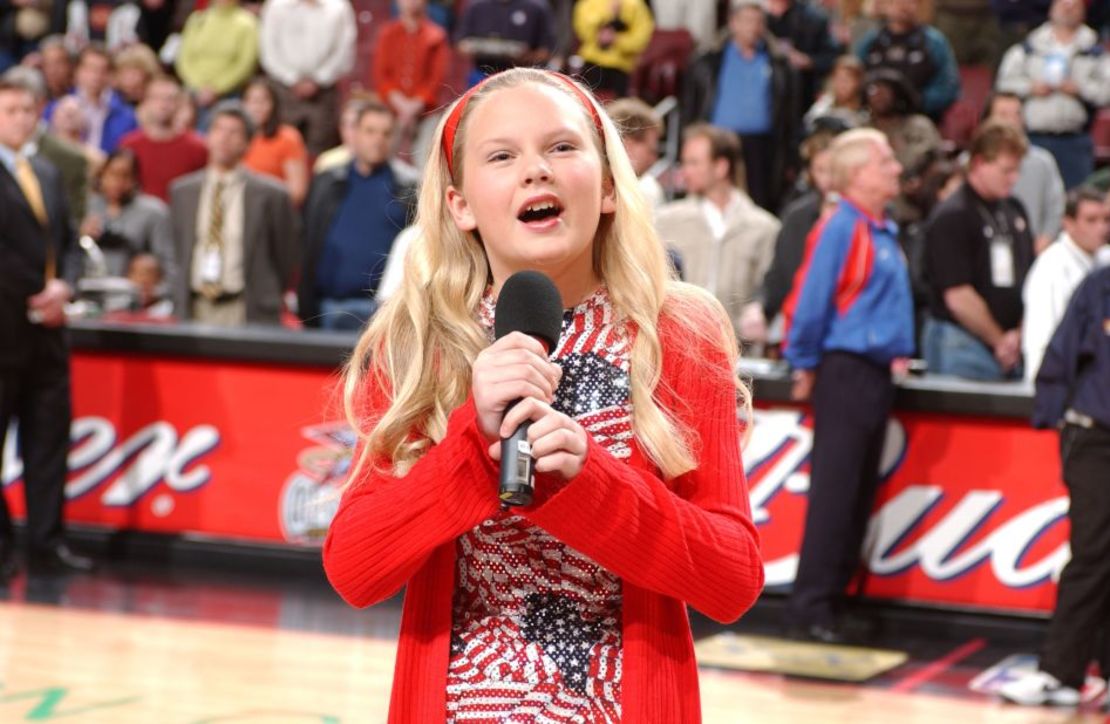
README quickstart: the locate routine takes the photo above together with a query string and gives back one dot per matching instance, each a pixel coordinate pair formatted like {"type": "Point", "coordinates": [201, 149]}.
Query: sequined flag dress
{"type": "Point", "coordinates": [536, 626]}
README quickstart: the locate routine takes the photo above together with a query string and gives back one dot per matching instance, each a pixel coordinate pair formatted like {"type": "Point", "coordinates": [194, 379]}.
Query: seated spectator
{"type": "Point", "coordinates": [499, 34]}
{"type": "Point", "coordinates": [843, 96]}
{"type": "Point", "coordinates": [351, 219]}
{"type": "Point", "coordinates": [1039, 188]}
{"type": "Point", "coordinates": [1063, 74]}
{"type": "Point", "coordinates": [724, 240]}
{"type": "Point", "coordinates": [410, 61]}
{"type": "Point", "coordinates": [124, 222]}
{"type": "Point", "coordinates": [749, 88]}
{"type": "Point", "coordinates": [641, 131]}
{"type": "Point", "coordinates": [57, 66]}
{"type": "Point", "coordinates": [798, 219]}
{"type": "Point", "coordinates": [68, 122]}
{"type": "Point", "coordinates": [341, 154]}
{"type": "Point", "coordinates": [218, 53]}
{"type": "Point", "coordinates": [894, 108]}
{"type": "Point", "coordinates": [146, 273]}
{"type": "Point", "coordinates": [68, 158]}
{"type": "Point", "coordinates": [803, 29]}
{"type": "Point", "coordinates": [1059, 270]}
{"type": "Point", "coordinates": [163, 152]}
{"type": "Point", "coordinates": [307, 47]}
{"type": "Point", "coordinates": [235, 232]}
{"type": "Point", "coordinates": [277, 149]}
{"type": "Point", "coordinates": [697, 17]}
{"type": "Point", "coordinates": [107, 116]}
{"type": "Point", "coordinates": [612, 35]}
{"type": "Point", "coordinates": [919, 52]}
{"type": "Point", "coordinates": [978, 251]}
{"type": "Point", "coordinates": [136, 66]}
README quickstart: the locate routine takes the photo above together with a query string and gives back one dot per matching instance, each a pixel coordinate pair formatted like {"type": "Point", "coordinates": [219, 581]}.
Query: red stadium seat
{"type": "Point", "coordinates": [962, 118]}
{"type": "Point", "coordinates": [661, 67]}
{"type": "Point", "coordinates": [1100, 133]}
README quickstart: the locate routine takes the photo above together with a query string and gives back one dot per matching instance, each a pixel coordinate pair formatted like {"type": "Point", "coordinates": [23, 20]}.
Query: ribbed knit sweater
{"type": "Point", "coordinates": [688, 540]}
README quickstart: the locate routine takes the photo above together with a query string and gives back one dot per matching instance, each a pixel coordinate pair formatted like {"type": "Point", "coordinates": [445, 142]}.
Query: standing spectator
{"type": "Point", "coordinates": [107, 116]}
{"type": "Point", "coordinates": [640, 130]}
{"type": "Point", "coordinates": [341, 154]}
{"type": "Point", "coordinates": [235, 232]}
{"type": "Point", "coordinates": [1072, 396]}
{"type": "Point", "coordinates": [164, 153]}
{"type": "Point", "coordinates": [798, 219]}
{"type": "Point", "coordinates": [803, 30]}
{"type": "Point", "coordinates": [156, 21]}
{"type": "Point", "coordinates": [57, 66]}
{"type": "Point", "coordinates": [68, 122]}
{"type": "Point", "coordinates": [978, 251]}
{"type": "Point", "coordinates": [353, 214]}
{"type": "Point", "coordinates": [499, 34]}
{"type": "Point", "coordinates": [1039, 187]}
{"type": "Point", "coordinates": [724, 240]}
{"type": "Point", "coordinates": [919, 52]}
{"type": "Point", "coordinates": [125, 222]}
{"type": "Point", "coordinates": [612, 34]}
{"type": "Point", "coordinates": [307, 47]}
{"type": "Point", "coordinates": [277, 149]}
{"type": "Point", "coordinates": [847, 324]}
{"type": "Point", "coordinates": [748, 87]}
{"type": "Point", "coordinates": [843, 96]}
{"type": "Point", "coordinates": [67, 157]}
{"type": "Point", "coordinates": [1059, 270]}
{"type": "Point", "coordinates": [410, 61]}
{"type": "Point", "coordinates": [973, 30]}
{"type": "Point", "coordinates": [1063, 73]}
{"type": "Point", "coordinates": [697, 17]}
{"type": "Point", "coordinates": [219, 52]}
{"type": "Point", "coordinates": [136, 66]}
{"type": "Point", "coordinates": [37, 271]}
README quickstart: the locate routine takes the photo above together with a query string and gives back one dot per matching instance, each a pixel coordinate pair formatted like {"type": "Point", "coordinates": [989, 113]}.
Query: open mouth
{"type": "Point", "coordinates": [538, 212]}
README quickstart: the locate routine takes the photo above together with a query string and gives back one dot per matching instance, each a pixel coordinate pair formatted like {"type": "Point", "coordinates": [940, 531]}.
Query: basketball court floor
{"type": "Point", "coordinates": [158, 643]}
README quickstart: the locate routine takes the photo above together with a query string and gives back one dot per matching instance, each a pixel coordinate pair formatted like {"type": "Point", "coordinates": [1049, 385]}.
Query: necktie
{"type": "Point", "coordinates": [29, 184]}
{"type": "Point", "coordinates": [214, 244]}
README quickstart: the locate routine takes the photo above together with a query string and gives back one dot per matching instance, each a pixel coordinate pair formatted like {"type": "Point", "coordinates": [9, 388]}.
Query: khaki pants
{"type": "Point", "coordinates": [232, 313]}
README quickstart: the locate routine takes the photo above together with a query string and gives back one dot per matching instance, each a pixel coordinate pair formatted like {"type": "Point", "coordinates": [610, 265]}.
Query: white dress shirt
{"type": "Point", "coordinates": [307, 39]}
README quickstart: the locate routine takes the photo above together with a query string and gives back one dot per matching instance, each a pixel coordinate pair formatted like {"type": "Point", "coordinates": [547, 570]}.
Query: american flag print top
{"type": "Point", "coordinates": [536, 625]}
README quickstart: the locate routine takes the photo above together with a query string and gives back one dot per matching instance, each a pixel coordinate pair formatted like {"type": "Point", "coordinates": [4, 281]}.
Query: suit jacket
{"type": "Point", "coordinates": [23, 254]}
{"type": "Point", "coordinates": [270, 234]}
{"type": "Point", "coordinates": [741, 258]}
{"type": "Point", "coordinates": [74, 167]}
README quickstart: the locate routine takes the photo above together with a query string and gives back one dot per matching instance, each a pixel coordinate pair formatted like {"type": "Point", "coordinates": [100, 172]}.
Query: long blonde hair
{"type": "Point", "coordinates": [421, 344]}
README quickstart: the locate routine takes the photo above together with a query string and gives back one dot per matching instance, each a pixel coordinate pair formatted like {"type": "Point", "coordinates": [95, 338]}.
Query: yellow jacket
{"type": "Point", "coordinates": [591, 15]}
{"type": "Point", "coordinates": [219, 49]}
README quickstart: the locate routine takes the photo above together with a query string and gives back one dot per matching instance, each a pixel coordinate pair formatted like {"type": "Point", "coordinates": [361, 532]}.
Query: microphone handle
{"type": "Point", "coordinates": [517, 468]}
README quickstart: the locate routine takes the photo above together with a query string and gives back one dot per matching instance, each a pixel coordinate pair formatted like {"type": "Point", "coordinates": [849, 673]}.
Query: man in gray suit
{"type": "Point", "coordinates": [235, 233]}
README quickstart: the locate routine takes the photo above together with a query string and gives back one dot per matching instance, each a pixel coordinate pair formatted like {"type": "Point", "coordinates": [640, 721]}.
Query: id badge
{"type": "Point", "coordinates": [1002, 263]}
{"type": "Point", "coordinates": [211, 265]}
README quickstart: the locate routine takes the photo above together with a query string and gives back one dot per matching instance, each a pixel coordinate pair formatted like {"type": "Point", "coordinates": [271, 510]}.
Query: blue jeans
{"type": "Point", "coordinates": [952, 350]}
{"type": "Point", "coordinates": [346, 314]}
{"type": "Point", "coordinates": [1074, 154]}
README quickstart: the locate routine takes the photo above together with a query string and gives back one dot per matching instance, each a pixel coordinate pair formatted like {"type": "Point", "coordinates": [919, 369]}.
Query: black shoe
{"type": "Point", "coordinates": [8, 565]}
{"type": "Point", "coordinates": [58, 559]}
{"type": "Point", "coordinates": [819, 633]}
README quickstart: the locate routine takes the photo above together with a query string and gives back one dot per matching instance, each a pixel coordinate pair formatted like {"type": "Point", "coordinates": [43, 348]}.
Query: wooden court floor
{"type": "Point", "coordinates": [68, 665]}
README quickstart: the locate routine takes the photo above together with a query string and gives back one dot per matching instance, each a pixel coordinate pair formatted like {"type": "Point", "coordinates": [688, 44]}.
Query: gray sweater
{"type": "Point", "coordinates": [142, 226]}
{"type": "Point", "coordinates": [1040, 190]}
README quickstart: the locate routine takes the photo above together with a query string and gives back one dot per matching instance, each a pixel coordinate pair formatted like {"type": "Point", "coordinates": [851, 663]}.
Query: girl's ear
{"type": "Point", "coordinates": [608, 195]}
{"type": "Point", "coordinates": [460, 210]}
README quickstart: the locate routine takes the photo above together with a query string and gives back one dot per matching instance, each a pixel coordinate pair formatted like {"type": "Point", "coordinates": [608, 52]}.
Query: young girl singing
{"type": "Point", "coordinates": [573, 608]}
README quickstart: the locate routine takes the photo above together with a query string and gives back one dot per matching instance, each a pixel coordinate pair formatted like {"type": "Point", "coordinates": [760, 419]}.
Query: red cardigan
{"type": "Point", "coordinates": [687, 540]}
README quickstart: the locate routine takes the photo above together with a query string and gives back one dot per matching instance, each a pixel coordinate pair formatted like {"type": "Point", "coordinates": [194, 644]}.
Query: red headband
{"type": "Point", "coordinates": [451, 126]}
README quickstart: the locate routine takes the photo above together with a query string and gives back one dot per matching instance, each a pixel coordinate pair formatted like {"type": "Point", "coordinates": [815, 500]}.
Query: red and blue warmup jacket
{"type": "Point", "coordinates": [851, 293]}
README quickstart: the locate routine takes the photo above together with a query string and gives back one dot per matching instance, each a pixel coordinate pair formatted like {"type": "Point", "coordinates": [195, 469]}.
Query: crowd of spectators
{"type": "Point", "coordinates": [240, 163]}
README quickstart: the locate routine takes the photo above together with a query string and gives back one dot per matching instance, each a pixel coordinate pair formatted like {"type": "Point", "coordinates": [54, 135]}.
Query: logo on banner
{"type": "Point", "coordinates": [311, 495]}
{"type": "Point", "coordinates": [154, 453]}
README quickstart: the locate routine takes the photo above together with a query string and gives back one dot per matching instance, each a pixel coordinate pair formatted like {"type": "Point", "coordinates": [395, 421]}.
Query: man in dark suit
{"type": "Point", "coordinates": [35, 262]}
{"type": "Point", "coordinates": [235, 233]}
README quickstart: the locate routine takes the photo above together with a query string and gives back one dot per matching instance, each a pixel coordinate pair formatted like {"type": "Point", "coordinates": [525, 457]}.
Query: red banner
{"type": "Point", "coordinates": [972, 512]}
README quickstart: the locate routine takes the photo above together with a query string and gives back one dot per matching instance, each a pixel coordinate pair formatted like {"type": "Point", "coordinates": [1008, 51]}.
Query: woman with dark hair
{"type": "Point", "coordinates": [277, 149]}
{"type": "Point", "coordinates": [124, 222]}
{"type": "Point", "coordinates": [895, 109]}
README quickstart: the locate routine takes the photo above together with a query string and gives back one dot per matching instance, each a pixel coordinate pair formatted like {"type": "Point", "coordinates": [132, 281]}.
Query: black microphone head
{"type": "Point", "coordinates": [530, 303]}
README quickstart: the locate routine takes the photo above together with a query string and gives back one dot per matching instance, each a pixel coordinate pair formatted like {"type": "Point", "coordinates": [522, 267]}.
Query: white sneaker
{"type": "Point", "coordinates": [1037, 689]}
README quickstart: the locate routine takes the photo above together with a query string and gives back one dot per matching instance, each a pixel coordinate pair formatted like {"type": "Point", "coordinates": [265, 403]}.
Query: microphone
{"type": "Point", "coordinates": [528, 303]}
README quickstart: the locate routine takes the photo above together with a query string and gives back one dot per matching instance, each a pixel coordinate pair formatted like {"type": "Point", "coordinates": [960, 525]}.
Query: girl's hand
{"type": "Point", "coordinates": [514, 367]}
{"type": "Point", "coordinates": [559, 444]}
